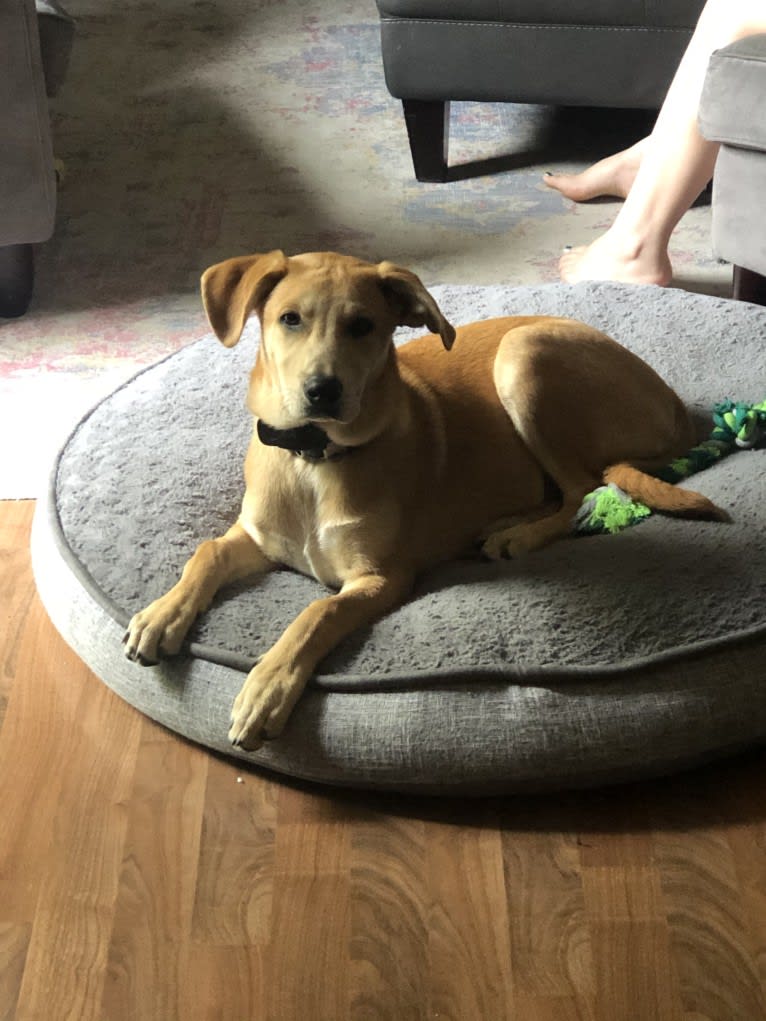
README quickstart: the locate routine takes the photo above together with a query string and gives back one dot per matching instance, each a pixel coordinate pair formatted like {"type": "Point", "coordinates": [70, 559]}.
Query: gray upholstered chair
{"type": "Point", "coordinates": [35, 39]}
{"type": "Point", "coordinates": [612, 53]}
{"type": "Point", "coordinates": [732, 112]}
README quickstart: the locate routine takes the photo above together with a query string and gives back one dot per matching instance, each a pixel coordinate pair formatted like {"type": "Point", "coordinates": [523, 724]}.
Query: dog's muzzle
{"type": "Point", "coordinates": [323, 396]}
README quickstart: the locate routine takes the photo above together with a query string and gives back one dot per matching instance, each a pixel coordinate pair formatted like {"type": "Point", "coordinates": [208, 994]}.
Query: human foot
{"type": "Point", "coordinates": [612, 176]}
{"type": "Point", "coordinates": [610, 258]}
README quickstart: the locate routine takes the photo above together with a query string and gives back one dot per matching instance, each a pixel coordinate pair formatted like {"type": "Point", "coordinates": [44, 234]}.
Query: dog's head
{"type": "Point", "coordinates": [327, 323]}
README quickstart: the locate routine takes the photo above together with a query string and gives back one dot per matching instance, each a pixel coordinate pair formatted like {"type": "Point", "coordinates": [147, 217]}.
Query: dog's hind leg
{"type": "Point", "coordinates": [537, 400]}
{"type": "Point", "coordinates": [532, 535]}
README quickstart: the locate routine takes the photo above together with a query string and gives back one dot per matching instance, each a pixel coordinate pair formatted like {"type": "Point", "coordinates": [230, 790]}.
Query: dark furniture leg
{"type": "Point", "coordinates": [16, 276]}
{"type": "Point", "coordinates": [428, 128]}
{"type": "Point", "coordinates": [749, 286]}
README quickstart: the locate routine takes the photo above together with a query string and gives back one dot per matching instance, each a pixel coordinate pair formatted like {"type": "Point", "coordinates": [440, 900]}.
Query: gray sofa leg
{"type": "Point", "coordinates": [749, 286]}
{"type": "Point", "coordinates": [428, 129]}
{"type": "Point", "coordinates": [16, 277]}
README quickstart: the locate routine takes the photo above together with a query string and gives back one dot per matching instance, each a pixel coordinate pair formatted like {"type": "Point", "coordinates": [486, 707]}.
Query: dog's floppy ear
{"type": "Point", "coordinates": [411, 302]}
{"type": "Point", "coordinates": [231, 290]}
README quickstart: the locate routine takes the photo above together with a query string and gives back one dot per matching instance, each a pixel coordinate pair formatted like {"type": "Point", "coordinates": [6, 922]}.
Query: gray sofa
{"type": "Point", "coordinates": [35, 40]}
{"type": "Point", "coordinates": [732, 113]}
{"type": "Point", "coordinates": [621, 53]}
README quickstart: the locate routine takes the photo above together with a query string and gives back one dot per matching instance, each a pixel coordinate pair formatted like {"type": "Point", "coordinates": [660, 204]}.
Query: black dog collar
{"type": "Point", "coordinates": [307, 441]}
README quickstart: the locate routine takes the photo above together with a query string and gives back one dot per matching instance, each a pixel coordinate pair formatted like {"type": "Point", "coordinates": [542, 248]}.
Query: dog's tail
{"type": "Point", "coordinates": [663, 496]}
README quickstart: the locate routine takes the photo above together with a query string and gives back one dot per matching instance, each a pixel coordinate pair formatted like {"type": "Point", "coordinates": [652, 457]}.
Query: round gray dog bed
{"type": "Point", "coordinates": [599, 659]}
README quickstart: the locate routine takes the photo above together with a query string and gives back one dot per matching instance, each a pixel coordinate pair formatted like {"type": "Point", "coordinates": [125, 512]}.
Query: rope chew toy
{"type": "Point", "coordinates": [736, 426]}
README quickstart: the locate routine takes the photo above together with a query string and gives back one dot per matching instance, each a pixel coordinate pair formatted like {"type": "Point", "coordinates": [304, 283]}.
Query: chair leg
{"type": "Point", "coordinates": [749, 286]}
{"type": "Point", "coordinates": [428, 129]}
{"type": "Point", "coordinates": [16, 278]}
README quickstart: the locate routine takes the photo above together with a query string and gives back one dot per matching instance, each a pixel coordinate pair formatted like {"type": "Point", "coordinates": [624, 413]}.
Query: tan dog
{"type": "Point", "coordinates": [369, 463]}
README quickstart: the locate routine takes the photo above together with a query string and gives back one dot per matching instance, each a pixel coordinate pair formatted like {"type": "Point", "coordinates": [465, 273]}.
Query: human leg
{"type": "Point", "coordinates": [676, 163]}
{"type": "Point", "coordinates": [614, 175]}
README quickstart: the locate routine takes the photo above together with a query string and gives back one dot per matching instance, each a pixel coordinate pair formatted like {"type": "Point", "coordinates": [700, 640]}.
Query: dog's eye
{"type": "Point", "coordinates": [360, 327]}
{"type": "Point", "coordinates": [290, 319]}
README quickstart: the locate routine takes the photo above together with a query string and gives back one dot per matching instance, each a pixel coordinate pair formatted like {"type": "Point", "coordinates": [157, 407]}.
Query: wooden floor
{"type": "Point", "coordinates": [140, 880]}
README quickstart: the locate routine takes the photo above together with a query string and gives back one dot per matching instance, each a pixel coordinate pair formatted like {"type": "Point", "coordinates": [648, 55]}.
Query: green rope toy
{"type": "Point", "coordinates": [736, 426]}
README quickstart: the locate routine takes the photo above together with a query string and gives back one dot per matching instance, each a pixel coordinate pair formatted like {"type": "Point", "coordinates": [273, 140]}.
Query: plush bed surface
{"type": "Point", "coordinates": [157, 467]}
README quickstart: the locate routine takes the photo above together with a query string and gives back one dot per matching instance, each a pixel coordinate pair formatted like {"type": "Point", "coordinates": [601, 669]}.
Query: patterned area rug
{"type": "Point", "coordinates": [190, 132]}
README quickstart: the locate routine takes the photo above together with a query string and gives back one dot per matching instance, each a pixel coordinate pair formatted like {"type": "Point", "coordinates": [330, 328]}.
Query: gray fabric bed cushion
{"type": "Point", "coordinates": [599, 658]}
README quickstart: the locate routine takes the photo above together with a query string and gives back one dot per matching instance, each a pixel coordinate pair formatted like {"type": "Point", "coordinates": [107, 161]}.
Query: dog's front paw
{"type": "Point", "coordinates": [158, 629]}
{"type": "Point", "coordinates": [263, 706]}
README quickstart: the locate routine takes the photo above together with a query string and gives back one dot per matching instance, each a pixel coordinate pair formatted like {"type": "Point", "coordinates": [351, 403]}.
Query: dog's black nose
{"type": "Point", "coordinates": [323, 392]}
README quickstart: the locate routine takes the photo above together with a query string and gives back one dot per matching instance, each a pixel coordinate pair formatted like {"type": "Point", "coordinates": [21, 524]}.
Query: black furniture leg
{"type": "Point", "coordinates": [16, 277]}
{"type": "Point", "coordinates": [749, 286]}
{"type": "Point", "coordinates": [428, 129]}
